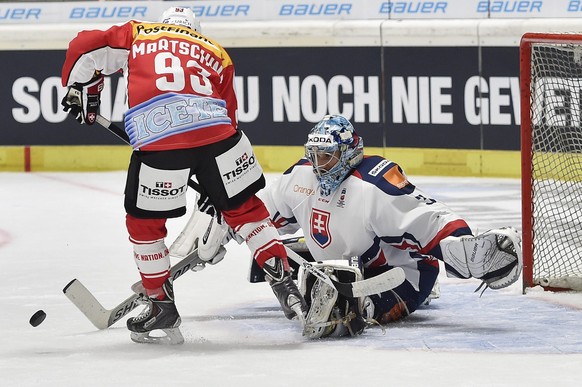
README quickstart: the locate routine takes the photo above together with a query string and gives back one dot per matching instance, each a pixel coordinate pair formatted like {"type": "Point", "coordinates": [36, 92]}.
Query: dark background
{"type": "Point", "coordinates": [460, 63]}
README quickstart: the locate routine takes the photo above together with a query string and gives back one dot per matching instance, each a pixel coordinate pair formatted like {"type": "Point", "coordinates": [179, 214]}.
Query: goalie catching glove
{"type": "Point", "coordinates": [83, 99]}
{"type": "Point", "coordinates": [494, 257]}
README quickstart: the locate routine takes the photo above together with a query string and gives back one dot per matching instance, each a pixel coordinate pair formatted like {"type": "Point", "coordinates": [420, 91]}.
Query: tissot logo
{"type": "Point", "coordinates": [242, 159]}
{"type": "Point", "coordinates": [162, 190]}
{"type": "Point", "coordinates": [163, 184]}
{"type": "Point", "coordinates": [243, 163]}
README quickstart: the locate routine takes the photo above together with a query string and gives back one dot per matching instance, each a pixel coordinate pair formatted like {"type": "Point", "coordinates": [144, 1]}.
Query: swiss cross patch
{"type": "Point", "coordinates": [320, 227]}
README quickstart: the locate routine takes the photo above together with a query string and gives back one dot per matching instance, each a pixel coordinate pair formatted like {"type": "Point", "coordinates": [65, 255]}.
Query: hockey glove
{"type": "Point", "coordinates": [82, 100]}
{"type": "Point", "coordinates": [206, 206]}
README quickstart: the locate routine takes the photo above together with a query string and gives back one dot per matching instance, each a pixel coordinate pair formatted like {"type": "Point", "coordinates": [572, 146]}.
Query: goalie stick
{"type": "Point", "coordinates": [103, 318]}
{"type": "Point", "coordinates": [378, 284]}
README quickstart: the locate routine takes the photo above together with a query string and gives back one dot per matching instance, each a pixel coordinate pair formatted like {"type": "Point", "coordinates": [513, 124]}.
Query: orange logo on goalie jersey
{"type": "Point", "coordinates": [395, 177]}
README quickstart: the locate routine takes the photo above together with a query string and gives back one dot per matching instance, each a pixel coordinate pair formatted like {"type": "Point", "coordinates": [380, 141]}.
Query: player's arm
{"type": "Point", "coordinates": [90, 55]}
{"type": "Point", "coordinates": [95, 50]}
{"type": "Point", "coordinates": [417, 221]}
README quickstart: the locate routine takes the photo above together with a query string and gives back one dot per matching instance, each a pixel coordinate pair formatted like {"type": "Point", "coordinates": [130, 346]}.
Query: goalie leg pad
{"type": "Point", "coordinates": [330, 313]}
{"type": "Point", "coordinates": [202, 231]}
{"type": "Point", "coordinates": [187, 241]}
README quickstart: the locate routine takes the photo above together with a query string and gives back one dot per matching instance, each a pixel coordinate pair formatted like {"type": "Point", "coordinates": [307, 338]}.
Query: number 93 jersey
{"type": "Point", "coordinates": [180, 84]}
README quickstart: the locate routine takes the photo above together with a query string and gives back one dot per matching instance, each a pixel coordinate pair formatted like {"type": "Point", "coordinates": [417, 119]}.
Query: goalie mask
{"type": "Point", "coordinates": [330, 313]}
{"type": "Point", "coordinates": [181, 17]}
{"type": "Point", "coordinates": [333, 148]}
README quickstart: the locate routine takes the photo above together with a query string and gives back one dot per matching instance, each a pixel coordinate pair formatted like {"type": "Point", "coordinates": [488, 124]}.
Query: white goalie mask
{"type": "Point", "coordinates": [330, 313]}
{"type": "Point", "coordinates": [333, 148]}
{"type": "Point", "coordinates": [180, 16]}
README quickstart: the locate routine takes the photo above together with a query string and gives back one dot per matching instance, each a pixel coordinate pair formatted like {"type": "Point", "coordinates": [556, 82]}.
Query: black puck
{"type": "Point", "coordinates": [37, 318]}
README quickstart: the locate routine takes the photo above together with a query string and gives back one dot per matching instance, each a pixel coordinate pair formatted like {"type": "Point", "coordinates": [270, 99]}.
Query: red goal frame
{"type": "Point", "coordinates": [526, 143]}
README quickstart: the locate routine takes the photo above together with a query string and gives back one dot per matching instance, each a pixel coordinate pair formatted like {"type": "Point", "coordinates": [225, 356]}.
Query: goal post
{"type": "Point", "coordinates": [551, 156]}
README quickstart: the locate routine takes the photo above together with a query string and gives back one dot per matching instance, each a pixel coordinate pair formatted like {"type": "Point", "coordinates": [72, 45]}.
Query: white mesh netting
{"type": "Point", "coordinates": [556, 88]}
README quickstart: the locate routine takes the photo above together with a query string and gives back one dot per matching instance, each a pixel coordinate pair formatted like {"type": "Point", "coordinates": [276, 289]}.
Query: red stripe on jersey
{"type": "Point", "coordinates": [449, 229]}
{"type": "Point", "coordinates": [380, 260]}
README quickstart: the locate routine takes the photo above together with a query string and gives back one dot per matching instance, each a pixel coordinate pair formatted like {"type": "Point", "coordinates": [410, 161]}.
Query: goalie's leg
{"type": "Point", "coordinates": [401, 301]}
{"type": "Point", "coordinates": [331, 314]}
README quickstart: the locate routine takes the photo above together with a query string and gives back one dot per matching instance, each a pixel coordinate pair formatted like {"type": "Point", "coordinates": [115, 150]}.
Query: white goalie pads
{"type": "Point", "coordinates": [327, 315]}
{"type": "Point", "coordinates": [203, 232]}
{"type": "Point", "coordinates": [494, 256]}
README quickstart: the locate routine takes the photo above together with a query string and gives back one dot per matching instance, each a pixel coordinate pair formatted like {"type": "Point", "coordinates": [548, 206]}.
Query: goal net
{"type": "Point", "coordinates": [551, 149]}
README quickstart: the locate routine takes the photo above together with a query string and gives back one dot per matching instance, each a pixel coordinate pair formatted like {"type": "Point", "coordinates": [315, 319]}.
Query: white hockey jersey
{"type": "Point", "coordinates": [376, 214]}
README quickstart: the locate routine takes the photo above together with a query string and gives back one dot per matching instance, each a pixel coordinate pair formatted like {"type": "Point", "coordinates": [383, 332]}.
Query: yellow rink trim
{"type": "Point", "coordinates": [557, 166]}
{"type": "Point", "coordinates": [415, 161]}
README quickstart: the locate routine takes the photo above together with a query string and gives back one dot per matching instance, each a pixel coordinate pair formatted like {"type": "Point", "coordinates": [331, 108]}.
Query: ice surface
{"type": "Point", "coordinates": [58, 226]}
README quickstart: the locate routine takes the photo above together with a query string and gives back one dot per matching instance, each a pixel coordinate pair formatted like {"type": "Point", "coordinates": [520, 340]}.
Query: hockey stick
{"type": "Point", "coordinates": [112, 128]}
{"type": "Point", "coordinates": [103, 318]}
{"type": "Point", "coordinates": [378, 284]}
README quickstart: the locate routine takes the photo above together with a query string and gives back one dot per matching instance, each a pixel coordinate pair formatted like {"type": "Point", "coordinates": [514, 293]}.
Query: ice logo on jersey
{"type": "Point", "coordinates": [320, 227]}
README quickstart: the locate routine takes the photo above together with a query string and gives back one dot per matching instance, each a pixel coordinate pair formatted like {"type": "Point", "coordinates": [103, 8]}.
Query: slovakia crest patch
{"type": "Point", "coordinates": [320, 227]}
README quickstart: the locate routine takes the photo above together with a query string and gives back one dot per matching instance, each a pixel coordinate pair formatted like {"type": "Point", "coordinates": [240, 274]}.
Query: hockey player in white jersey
{"type": "Point", "coordinates": [349, 205]}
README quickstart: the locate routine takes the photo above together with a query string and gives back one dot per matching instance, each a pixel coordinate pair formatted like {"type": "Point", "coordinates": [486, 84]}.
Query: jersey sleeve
{"type": "Point", "coordinates": [408, 217]}
{"type": "Point", "coordinates": [106, 51]}
{"type": "Point", "coordinates": [278, 205]}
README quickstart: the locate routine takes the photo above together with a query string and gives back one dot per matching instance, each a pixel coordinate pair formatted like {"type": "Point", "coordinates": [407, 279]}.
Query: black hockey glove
{"type": "Point", "coordinates": [82, 100]}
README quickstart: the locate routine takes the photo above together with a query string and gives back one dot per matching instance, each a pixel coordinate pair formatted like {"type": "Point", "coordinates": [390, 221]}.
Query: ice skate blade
{"type": "Point", "coordinates": [173, 336]}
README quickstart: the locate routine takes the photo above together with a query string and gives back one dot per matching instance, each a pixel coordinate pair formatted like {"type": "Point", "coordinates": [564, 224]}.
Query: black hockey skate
{"type": "Point", "coordinates": [281, 282]}
{"type": "Point", "coordinates": [161, 315]}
